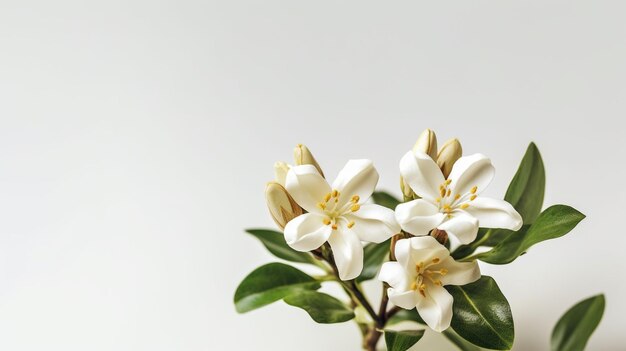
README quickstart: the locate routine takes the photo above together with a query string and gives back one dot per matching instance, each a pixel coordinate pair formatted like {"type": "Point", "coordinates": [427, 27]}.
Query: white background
{"type": "Point", "coordinates": [136, 139]}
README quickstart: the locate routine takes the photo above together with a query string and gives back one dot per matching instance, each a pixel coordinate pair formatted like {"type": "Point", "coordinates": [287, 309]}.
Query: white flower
{"type": "Point", "coordinates": [452, 204]}
{"type": "Point", "coordinates": [338, 214]}
{"type": "Point", "coordinates": [424, 266]}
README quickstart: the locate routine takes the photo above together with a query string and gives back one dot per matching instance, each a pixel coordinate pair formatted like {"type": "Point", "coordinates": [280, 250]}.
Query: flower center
{"type": "Point", "coordinates": [334, 212]}
{"type": "Point", "coordinates": [448, 202]}
{"type": "Point", "coordinates": [427, 274]}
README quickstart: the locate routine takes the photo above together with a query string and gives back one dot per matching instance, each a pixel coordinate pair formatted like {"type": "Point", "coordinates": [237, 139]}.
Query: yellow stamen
{"type": "Point", "coordinates": [355, 207]}
{"type": "Point", "coordinates": [326, 221]}
{"type": "Point", "coordinates": [473, 197]}
{"type": "Point", "coordinates": [437, 282]}
{"type": "Point", "coordinates": [335, 193]}
{"type": "Point", "coordinates": [327, 197]}
{"type": "Point", "coordinates": [442, 192]}
{"type": "Point", "coordinates": [414, 286]}
{"type": "Point", "coordinates": [322, 205]}
{"type": "Point", "coordinates": [436, 260]}
{"type": "Point", "coordinates": [449, 192]}
{"type": "Point", "coordinates": [457, 196]}
{"type": "Point", "coordinates": [443, 271]}
{"type": "Point", "coordinates": [334, 227]}
{"type": "Point", "coordinates": [448, 181]}
{"type": "Point", "coordinates": [464, 206]}
{"type": "Point", "coordinates": [438, 200]}
{"type": "Point", "coordinates": [418, 267]}
{"type": "Point", "coordinates": [473, 191]}
{"type": "Point", "coordinates": [355, 198]}
{"type": "Point", "coordinates": [351, 224]}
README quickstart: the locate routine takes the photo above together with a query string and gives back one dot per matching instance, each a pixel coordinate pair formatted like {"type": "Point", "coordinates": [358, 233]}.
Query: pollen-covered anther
{"type": "Point", "coordinates": [355, 199]}
{"type": "Point", "coordinates": [473, 197]}
{"type": "Point", "coordinates": [326, 221]}
{"type": "Point", "coordinates": [449, 192]}
{"type": "Point", "coordinates": [322, 205]}
{"type": "Point", "coordinates": [474, 189]}
{"type": "Point", "coordinates": [418, 267]}
{"type": "Point", "coordinates": [414, 286]}
{"type": "Point", "coordinates": [457, 196]}
{"type": "Point", "coordinates": [437, 282]}
{"type": "Point", "coordinates": [335, 193]}
{"type": "Point", "coordinates": [436, 260]}
{"type": "Point", "coordinates": [351, 224]}
{"type": "Point", "coordinates": [443, 271]}
{"type": "Point", "coordinates": [327, 197]}
{"type": "Point", "coordinates": [355, 207]}
{"type": "Point", "coordinates": [334, 227]}
{"type": "Point", "coordinates": [464, 206]}
{"type": "Point", "coordinates": [442, 192]}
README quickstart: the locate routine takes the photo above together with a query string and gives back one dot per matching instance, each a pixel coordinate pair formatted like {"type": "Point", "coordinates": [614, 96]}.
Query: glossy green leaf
{"type": "Point", "coordinates": [385, 199]}
{"type": "Point", "coordinates": [482, 315]}
{"type": "Point", "coordinates": [321, 307]}
{"type": "Point", "coordinates": [527, 188]}
{"type": "Point", "coordinates": [552, 223]}
{"type": "Point", "coordinates": [573, 330]}
{"type": "Point", "coordinates": [406, 316]}
{"type": "Point", "coordinates": [402, 340]}
{"type": "Point", "coordinates": [270, 283]}
{"type": "Point", "coordinates": [275, 243]}
{"type": "Point", "coordinates": [460, 343]}
{"type": "Point", "coordinates": [373, 257]}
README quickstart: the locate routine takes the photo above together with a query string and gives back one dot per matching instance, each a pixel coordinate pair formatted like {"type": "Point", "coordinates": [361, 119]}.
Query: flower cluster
{"type": "Point", "coordinates": [422, 248]}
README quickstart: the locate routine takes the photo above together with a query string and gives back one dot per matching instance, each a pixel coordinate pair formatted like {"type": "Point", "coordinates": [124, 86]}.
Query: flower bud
{"type": "Point", "coordinates": [303, 156]}
{"type": "Point", "coordinates": [450, 152]}
{"type": "Point", "coordinates": [282, 206]}
{"type": "Point", "coordinates": [427, 143]}
{"type": "Point", "coordinates": [280, 172]}
{"type": "Point", "coordinates": [408, 193]}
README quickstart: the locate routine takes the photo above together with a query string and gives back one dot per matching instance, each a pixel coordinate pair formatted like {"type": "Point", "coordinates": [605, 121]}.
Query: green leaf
{"type": "Point", "coordinates": [321, 307]}
{"type": "Point", "coordinates": [527, 188]}
{"type": "Point", "coordinates": [406, 316]}
{"type": "Point", "coordinates": [482, 315]}
{"type": "Point", "coordinates": [373, 257]}
{"type": "Point", "coordinates": [402, 340]}
{"type": "Point", "coordinates": [461, 343]}
{"type": "Point", "coordinates": [573, 330]}
{"type": "Point", "coordinates": [275, 243]}
{"type": "Point", "coordinates": [385, 199]}
{"type": "Point", "coordinates": [270, 283]}
{"type": "Point", "coordinates": [552, 223]}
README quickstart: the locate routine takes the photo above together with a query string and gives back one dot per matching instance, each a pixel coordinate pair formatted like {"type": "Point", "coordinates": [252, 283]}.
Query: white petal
{"type": "Point", "coordinates": [306, 186]}
{"type": "Point", "coordinates": [436, 308]}
{"type": "Point", "coordinates": [405, 299]}
{"type": "Point", "coordinates": [422, 174]}
{"type": "Point", "coordinates": [427, 248]}
{"type": "Point", "coordinates": [462, 226]}
{"type": "Point", "coordinates": [307, 232]}
{"type": "Point", "coordinates": [393, 274]}
{"type": "Point", "coordinates": [460, 273]}
{"type": "Point", "coordinates": [348, 253]}
{"type": "Point", "coordinates": [418, 217]}
{"type": "Point", "coordinates": [492, 213]}
{"type": "Point", "coordinates": [358, 177]}
{"type": "Point", "coordinates": [469, 171]}
{"type": "Point", "coordinates": [374, 223]}
{"type": "Point", "coordinates": [403, 254]}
